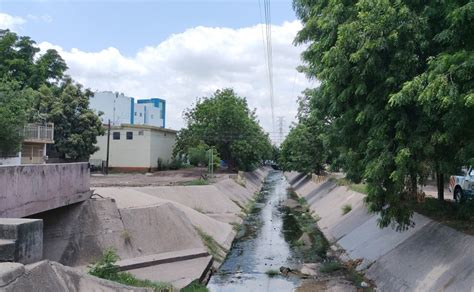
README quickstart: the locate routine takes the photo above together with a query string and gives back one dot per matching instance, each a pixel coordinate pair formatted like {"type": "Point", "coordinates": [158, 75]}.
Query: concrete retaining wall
{"type": "Point", "coordinates": [428, 257]}
{"type": "Point", "coordinates": [54, 277]}
{"type": "Point", "coordinates": [29, 189]}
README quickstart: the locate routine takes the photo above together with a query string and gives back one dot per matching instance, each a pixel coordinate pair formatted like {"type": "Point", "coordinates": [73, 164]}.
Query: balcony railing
{"type": "Point", "coordinates": [37, 133]}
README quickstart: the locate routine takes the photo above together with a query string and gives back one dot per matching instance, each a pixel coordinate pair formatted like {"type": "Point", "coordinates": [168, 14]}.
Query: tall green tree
{"type": "Point", "coordinates": [224, 121]}
{"type": "Point", "coordinates": [394, 74]}
{"type": "Point", "coordinates": [76, 125]}
{"type": "Point", "coordinates": [34, 88]}
{"type": "Point", "coordinates": [14, 111]}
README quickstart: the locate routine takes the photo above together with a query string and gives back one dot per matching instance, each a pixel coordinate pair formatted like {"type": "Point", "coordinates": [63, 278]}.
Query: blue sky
{"type": "Point", "coordinates": [175, 50]}
{"type": "Point", "coordinates": [131, 25]}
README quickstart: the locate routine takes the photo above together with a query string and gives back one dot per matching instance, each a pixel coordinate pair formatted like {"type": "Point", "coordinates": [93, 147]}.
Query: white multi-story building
{"type": "Point", "coordinates": [122, 109]}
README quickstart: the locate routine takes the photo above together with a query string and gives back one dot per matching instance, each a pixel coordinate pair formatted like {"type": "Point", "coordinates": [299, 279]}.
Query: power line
{"type": "Point", "coordinates": [269, 53]}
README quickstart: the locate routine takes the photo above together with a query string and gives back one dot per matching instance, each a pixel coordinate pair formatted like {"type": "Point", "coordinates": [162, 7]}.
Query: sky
{"type": "Point", "coordinates": [176, 50]}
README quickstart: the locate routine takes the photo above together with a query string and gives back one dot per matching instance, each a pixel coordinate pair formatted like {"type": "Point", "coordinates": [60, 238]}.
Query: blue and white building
{"type": "Point", "coordinates": [121, 109]}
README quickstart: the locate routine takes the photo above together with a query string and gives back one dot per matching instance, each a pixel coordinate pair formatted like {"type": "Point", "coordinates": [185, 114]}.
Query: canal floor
{"type": "Point", "coordinates": [260, 246]}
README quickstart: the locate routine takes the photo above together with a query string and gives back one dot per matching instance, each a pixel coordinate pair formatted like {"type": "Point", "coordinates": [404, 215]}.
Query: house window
{"type": "Point", "coordinates": [140, 133]}
{"type": "Point", "coordinates": [129, 135]}
{"type": "Point", "coordinates": [135, 113]}
{"type": "Point", "coordinates": [140, 115]}
{"type": "Point", "coordinates": [116, 135]}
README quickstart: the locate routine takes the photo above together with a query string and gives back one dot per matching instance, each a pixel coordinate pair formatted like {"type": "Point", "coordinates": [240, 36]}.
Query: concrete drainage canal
{"type": "Point", "coordinates": [260, 248]}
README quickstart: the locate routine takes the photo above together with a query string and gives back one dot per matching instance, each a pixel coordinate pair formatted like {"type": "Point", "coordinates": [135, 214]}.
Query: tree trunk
{"type": "Point", "coordinates": [440, 185]}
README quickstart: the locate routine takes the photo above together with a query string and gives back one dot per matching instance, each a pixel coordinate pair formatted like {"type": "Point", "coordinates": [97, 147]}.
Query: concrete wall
{"type": "Point", "coordinates": [123, 152]}
{"type": "Point", "coordinates": [162, 144]}
{"type": "Point", "coordinates": [428, 257]}
{"type": "Point", "coordinates": [31, 189]}
{"type": "Point", "coordinates": [11, 160]}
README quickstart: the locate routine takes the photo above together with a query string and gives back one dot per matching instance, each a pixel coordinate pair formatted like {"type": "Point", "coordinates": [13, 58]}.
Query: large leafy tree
{"type": "Point", "coordinates": [76, 125]}
{"type": "Point", "coordinates": [224, 121]}
{"type": "Point", "coordinates": [14, 111]}
{"type": "Point", "coordinates": [391, 87]}
{"type": "Point", "coordinates": [34, 89]}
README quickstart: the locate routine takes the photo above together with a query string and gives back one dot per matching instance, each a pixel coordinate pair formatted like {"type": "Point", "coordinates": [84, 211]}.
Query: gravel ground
{"type": "Point", "coordinates": [160, 178]}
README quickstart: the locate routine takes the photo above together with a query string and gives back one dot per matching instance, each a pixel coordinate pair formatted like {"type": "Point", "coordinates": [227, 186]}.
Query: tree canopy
{"type": "Point", "coordinates": [395, 100]}
{"type": "Point", "coordinates": [225, 122]}
{"type": "Point", "coordinates": [34, 88]}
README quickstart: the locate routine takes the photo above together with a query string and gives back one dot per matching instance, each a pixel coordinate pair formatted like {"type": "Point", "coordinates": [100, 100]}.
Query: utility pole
{"type": "Point", "coordinates": [211, 161]}
{"type": "Point", "coordinates": [108, 148]}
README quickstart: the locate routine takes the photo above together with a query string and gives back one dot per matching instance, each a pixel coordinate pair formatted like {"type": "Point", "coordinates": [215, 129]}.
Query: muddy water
{"type": "Point", "coordinates": [260, 246]}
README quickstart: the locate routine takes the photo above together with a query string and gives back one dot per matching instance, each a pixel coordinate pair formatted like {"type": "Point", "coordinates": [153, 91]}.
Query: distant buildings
{"type": "Point", "coordinates": [138, 137]}
{"type": "Point", "coordinates": [121, 109]}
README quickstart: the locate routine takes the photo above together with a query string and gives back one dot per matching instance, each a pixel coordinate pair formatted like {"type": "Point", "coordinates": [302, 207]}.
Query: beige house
{"type": "Point", "coordinates": [33, 147]}
{"type": "Point", "coordinates": [35, 139]}
{"type": "Point", "coordinates": [135, 147]}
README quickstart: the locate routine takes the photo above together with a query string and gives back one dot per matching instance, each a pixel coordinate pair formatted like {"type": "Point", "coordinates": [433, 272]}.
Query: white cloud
{"type": "Point", "coordinates": [194, 64]}
{"type": "Point", "coordinates": [11, 22]}
{"type": "Point", "coordinates": [43, 18]}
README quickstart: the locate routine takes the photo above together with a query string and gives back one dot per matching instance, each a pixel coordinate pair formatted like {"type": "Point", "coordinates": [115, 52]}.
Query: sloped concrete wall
{"type": "Point", "coordinates": [428, 257]}
{"type": "Point", "coordinates": [29, 189]}
{"type": "Point", "coordinates": [53, 277]}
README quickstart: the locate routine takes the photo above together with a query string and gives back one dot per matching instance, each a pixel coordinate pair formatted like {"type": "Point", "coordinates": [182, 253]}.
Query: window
{"type": "Point", "coordinates": [152, 116]}
{"type": "Point", "coordinates": [140, 115]}
{"type": "Point", "coordinates": [129, 135]}
{"type": "Point", "coordinates": [116, 135]}
{"type": "Point", "coordinates": [140, 133]}
{"type": "Point", "coordinates": [135, 113]}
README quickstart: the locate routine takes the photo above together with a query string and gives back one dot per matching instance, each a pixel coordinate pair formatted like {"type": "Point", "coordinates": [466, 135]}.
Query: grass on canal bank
{"type": "Point", "coordinates": [217, 251]}
{"type": "Point", "coordinates": [299, 221]}
{"type": "Point", "coordinates": [106, 269]}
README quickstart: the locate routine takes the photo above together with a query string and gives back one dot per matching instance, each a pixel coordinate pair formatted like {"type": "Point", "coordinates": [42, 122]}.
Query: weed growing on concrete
{"type": "Point", "coordinates": [215, 249]}
{"type": "Point", "coordinates": [196, 182]}
{"type": "Point", "coordinates": [272, 273]}
{"type": "Point", "coordinates": [127, 237]}
{"type": "Point", "coordinates": [199, 210]}
{"type": "Point", "coordinates": [195, 286]}
{"type": "Point", "coordinates": [238, 204]}
{"type": "Point", "coordinates": [360, 187]}
{"type": "Point", "coordinates": [346, 209]}
{"type": "Point", "coordinates": [236, 226]}
{"type": "Point", "coordinates": [106, 268]}
{"type": "Point", "coordinates": [330, 267]}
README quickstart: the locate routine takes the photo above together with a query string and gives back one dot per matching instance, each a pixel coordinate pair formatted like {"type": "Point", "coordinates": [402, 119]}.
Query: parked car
{"type": "Point", "coordinates": [462, 185]}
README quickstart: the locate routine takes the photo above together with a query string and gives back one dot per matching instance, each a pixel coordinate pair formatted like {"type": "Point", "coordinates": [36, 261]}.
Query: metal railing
{"type": "Point", "coordinates": [39, 133]}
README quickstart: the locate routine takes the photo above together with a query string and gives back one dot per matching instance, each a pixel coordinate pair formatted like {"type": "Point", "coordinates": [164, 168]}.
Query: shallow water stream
{"type": "Point", "coordinates": [260, 246]}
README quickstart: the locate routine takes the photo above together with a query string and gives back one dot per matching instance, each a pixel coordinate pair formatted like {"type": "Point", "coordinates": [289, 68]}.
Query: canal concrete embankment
{"type": "Point", "coordinates": [160, 233]}
{"type": "Point", "coordinates": [427, 257]}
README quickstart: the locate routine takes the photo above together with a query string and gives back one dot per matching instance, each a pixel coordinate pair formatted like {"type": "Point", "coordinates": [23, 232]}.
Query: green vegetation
{"type": "Point", "coordinates": [272, 273]}
{"type": "Point", "coordinates": [302, 151]}
{"type": "Point", "coordinates": [34, 88]}
{"type": "Point", "coordinates": [14, 112]}
{"type": "Point", "coordinates": [215, 249]}
{"type": "Point", "coordinates": [457, 216]}
{"type": "Point", "coordinates": [197, 182]}
{"type": "Point", "coordinates": [224, 122]}
{"type": "Point", "coordinates": [297, 222]}
{"type": "Point", "coordinates": [395, 99]}
{"type": "Point", "coordinates": [330, 267]}
{"type": "Point", "coordinates": [346, 209]}
{"type": "Point", "coordinates": [105, 268]}
{"type": "Point", "coordinates": [195, 286]}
